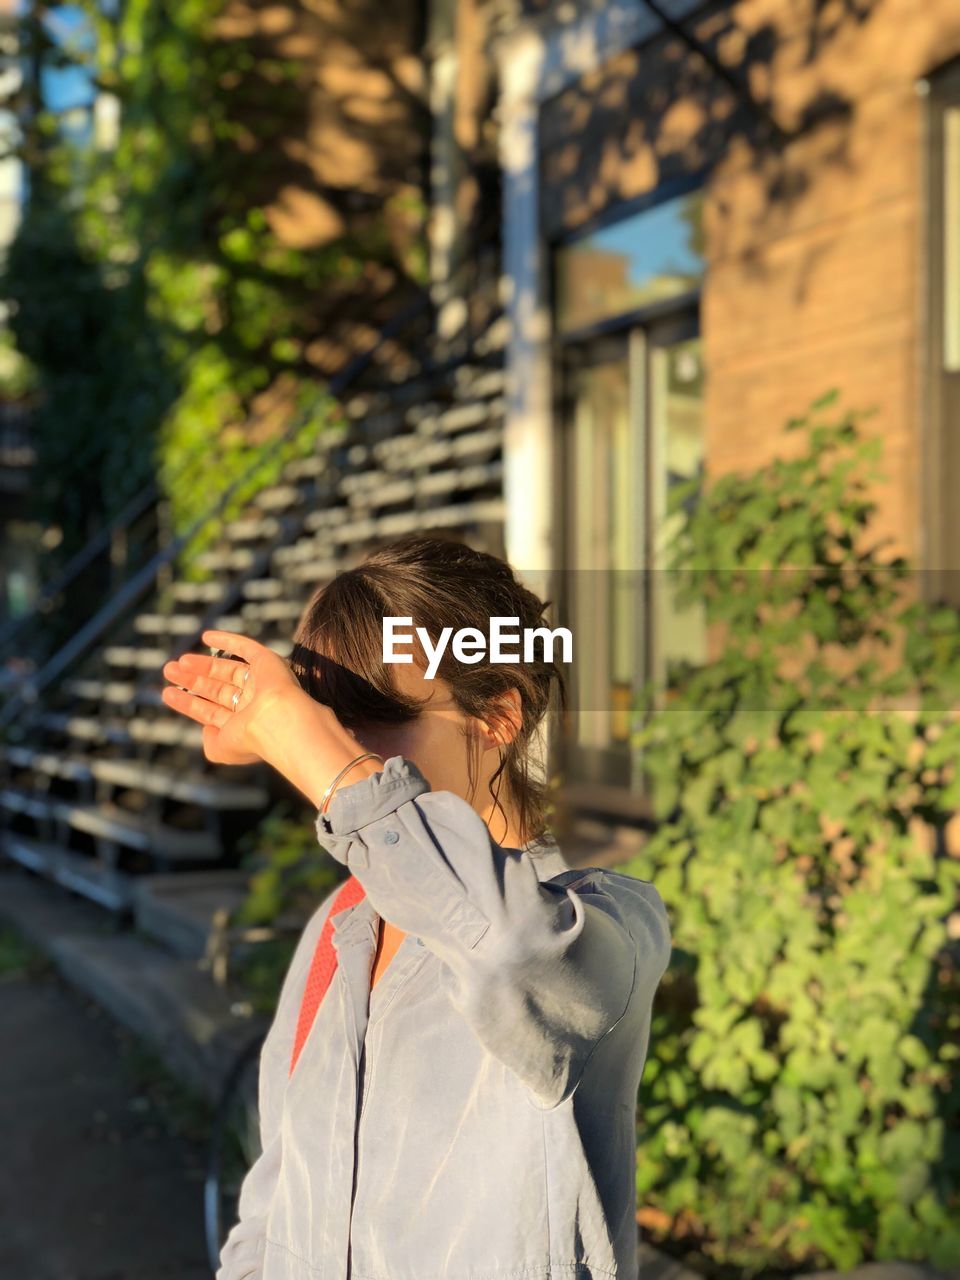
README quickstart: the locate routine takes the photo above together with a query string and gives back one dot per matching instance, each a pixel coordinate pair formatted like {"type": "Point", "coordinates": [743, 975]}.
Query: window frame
{"type": "Point", "coordinates": [941, 451]}
{"type": "Point", "coordinates": [644, 329]}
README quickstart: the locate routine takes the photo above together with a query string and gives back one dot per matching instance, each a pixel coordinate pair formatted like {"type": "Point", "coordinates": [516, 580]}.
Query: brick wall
{"type": "Point", "coordinates": [815, 253]}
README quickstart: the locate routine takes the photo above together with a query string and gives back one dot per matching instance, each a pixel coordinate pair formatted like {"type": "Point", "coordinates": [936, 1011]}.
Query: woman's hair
{"type": "Point", "coordinates": [337, 650]}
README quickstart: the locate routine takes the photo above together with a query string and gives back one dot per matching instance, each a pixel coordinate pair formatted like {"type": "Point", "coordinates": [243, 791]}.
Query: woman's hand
{"type": "Point", "coordinates": [265, 683]}
{"type": "Point", "coordinates": [275, 719]}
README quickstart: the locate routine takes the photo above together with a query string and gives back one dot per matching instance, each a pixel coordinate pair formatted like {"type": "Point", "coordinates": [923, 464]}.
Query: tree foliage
{"type": "Point", "coordinates": [169, 328]}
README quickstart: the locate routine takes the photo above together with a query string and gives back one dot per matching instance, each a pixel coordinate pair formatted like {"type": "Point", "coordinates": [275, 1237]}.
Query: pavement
{"type": "Point", "coordinates": [96, 1183]}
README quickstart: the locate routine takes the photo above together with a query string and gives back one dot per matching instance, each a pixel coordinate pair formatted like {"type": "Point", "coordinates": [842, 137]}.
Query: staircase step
{"type": "Point", "coordinates": [149, 777]}
{"type": "Point", "coordinates": [475, 477]}
{"type": "Point", "coordinates": [235, 560]}
{"type": "Point", "coordinates": [300, 566]}
{"type": "Point", "coordinates": [230, 622]}
{"type": "Point", "coordinates": [196, 1026]}
{"type": "Point", "coordinates": [273, 611]}
{"type": "Point", "coordinates": [179, 910]}
{"type": "Point", "coordinates": [483, 383]}
{"type": "Point", "coordinates": [110, 822]}
{"type": "Point", "coordinates": [85, 728]}
{"type": "Point", "coordinates": [253, 529]}
{"type": "Point", "coordinates": [263, 588]}
{"type": "Point", "coordinates": [461, 417]}
{"type": "Point", "coordinates": [168, 624]}
{"type": "Point", "coordinates": [125, 692]}
{"type": "Point", "coordinates": [51, 762]}
{"type": "Point", "coordinates": [87, 876]}
{"type": "Point", "coordinates": [168, 730]}
{"type": "Point", "coordinates": [438, 450]}
{"type": "Point", "coordinates": [315, 549]}
{"type": "Point", "coordinates": [465, 513]}
{"type": "Point", "coordinates": [308, 468]}
{"type": "Point", "coordinates": [280, 497]}
{"type": "Point", "coordinates": [211, 794]}
{"type": "Point", "coordinates": [325, 518]}
{"type": "Point", "coordinates": [192, 592]}
{"type": "Point", "coordinates": [124, 655]}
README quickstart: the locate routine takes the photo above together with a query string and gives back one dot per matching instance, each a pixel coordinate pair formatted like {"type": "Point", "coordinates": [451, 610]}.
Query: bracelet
{"type": "Point", "coordinates": [367, 755]}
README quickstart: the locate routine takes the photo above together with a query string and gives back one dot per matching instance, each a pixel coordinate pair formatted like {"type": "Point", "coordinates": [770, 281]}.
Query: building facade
{"type": "Point", "coordinates": [711, 215]}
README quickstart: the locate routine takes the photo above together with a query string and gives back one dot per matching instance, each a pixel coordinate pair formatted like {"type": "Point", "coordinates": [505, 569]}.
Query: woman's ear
{"type": "Point", "coordinates": [501, 725]}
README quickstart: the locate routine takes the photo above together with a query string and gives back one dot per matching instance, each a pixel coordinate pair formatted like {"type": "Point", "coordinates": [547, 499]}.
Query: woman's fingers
{"type": "Point", "coordinates": [197, 708]}
{"type": "Point", "coordinates": [233, 642]}
{"type": "Point", "coordinates": [214, 690]}
{"type": "Point", "coordinates": [200, 665]}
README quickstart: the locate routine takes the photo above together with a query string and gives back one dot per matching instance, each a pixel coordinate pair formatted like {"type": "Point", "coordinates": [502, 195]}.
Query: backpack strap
{"type": "Point", "coordinates": [323, 965]}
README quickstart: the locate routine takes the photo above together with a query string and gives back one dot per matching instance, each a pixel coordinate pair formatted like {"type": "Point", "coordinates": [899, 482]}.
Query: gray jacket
{"type": "Point", "coordinates": [478, 1121]}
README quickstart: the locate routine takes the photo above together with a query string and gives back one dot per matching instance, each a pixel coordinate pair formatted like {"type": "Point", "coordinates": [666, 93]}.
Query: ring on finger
{"type": "Point", "coordinates": [235, 699]}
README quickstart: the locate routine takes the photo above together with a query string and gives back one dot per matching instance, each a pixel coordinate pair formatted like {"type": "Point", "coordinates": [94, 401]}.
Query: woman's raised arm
{"type": "Point", "coordinates": [543, 971]}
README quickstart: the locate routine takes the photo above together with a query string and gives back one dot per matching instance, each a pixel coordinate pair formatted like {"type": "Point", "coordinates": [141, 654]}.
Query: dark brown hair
{"type": "Point", "coordinates": [439, 582]}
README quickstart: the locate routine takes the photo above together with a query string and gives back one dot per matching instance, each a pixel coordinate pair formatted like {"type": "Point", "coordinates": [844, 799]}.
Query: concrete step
{"type": "Point", "coordinates": [198, 592]}
{"type": "Point", "coordinates": [195, 788]}
{"type": "Point", "coordinates": [88, 876]}
{"type": "Point", "coordinates": [279, 497]}
{"type": "Point", "coordinates": [252, 529]}
{"type": "Point", "coordinates": [113, 824]}
{"type": "Point", "coordinates": [282, 611]}
{"type": "Point", "coordinates": [121, 655]}
{"type": "Point", "coordinates": [235, 560]}
{"type": "Point", "coordinates": [178, 911]}
{"type": "Point", "coordinates": [168, 624]}
{"type": "Point", "coordinates": [181, 912]}
{"type": "Point", "coordinates": [262, 589]}
{"type": "Point", "coordinates": [55, 763]}
{"type": "Point", "coordinates": [172, 1003]}
{"type": "Point", "coordinates": [96, 729]}
{"type": "Point", "coordinates": [118, 692]}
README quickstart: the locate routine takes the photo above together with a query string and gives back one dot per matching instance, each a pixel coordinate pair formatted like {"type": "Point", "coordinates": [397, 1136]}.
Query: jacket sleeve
{"type": "Point", "coordinates": [542, 971]}
{"type": "Point", "coordinates": [241, 1256]}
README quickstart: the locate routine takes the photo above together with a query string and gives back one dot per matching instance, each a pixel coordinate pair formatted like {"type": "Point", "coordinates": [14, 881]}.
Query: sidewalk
{"type": "Point", "coordinates": [196, 1032]}
{"type": "Point", "coordinates": [93, 1184]}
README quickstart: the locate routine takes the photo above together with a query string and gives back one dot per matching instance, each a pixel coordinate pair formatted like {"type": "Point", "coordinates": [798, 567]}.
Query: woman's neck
{"type": "Point", "coordinates": [503, 824]}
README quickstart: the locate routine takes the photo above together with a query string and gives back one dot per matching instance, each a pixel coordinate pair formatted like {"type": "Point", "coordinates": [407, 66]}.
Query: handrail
{"type": "Point", "coordinates": [142, 501]}
{"type": "Point", "coordinates": [137, 505]}
{"type": "Point", "coordinates": [137, 584]}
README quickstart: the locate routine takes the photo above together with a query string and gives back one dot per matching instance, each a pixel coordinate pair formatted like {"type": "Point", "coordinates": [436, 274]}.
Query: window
{"type": "Point", "coordinates": [649, 258]}
{"type": "Point", "coordinates": [631, 425]}
{"type": "Point", "coordinates": [942, 453]}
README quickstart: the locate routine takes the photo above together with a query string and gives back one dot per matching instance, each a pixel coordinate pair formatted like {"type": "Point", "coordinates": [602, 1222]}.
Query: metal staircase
{"type": "Point", "coordinates": [101, 785]}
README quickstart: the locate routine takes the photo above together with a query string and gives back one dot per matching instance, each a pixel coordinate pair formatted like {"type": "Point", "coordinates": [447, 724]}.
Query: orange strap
{"type": "Point", "coordinates": [323, 966]}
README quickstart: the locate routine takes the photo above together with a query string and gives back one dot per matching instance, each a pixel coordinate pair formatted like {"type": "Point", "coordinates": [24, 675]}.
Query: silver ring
{"type": "Point", "coordinates": [235, 699]}
{"type": "Point", "coordinates": [246, 675]}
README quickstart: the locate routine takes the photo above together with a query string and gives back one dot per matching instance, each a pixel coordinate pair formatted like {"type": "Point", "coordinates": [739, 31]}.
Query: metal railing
{"type": "Point", "coordinates": [140, 581]}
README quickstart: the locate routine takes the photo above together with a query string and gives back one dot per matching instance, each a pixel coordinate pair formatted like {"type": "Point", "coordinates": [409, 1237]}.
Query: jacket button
{"type": "Point", "coordinates": [391, 837]}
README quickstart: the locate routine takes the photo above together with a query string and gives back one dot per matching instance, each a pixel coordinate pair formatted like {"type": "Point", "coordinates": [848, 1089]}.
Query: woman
{"type": "Point", "coordinates": [463, 1104]}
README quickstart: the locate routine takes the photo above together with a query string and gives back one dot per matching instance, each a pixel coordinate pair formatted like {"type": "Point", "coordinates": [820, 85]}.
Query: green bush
{"type": "Point", "coordinates": [292, 874]}
{"type": "Point", "coordinates": [799, 1103]}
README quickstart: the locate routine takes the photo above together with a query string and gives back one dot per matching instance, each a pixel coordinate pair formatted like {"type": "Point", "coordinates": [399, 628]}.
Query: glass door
{"type": "Point", "coordinates": [632, 428]}
{"type": "Point", "coordinates": [679, 635]}
{"type": "Point", "coordinates": [602, 580]}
